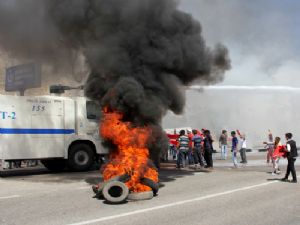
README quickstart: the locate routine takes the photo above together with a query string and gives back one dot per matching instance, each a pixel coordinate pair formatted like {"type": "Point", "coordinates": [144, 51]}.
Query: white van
{"type": "Point", "coordinates": [59, 131]}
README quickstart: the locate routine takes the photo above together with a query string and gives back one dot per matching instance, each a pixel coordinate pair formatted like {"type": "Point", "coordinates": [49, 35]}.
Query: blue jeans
{"type": "Point", "coordinates": [190, 156]}
{"type": "Point", "coordinates": [223, 151]}
{"type": "Point", "coordinates": [181, 158]}
{"type": "Point", "coordinates": [234, 158]}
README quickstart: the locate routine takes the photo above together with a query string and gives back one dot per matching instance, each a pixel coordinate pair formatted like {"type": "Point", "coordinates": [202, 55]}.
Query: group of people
{"type": "Point", "coordinates": [276, 150]}
{"type": "Point", "coordinates": [196, 148]}
{"type": "Point", "coordinates": [193, 148]}
{"type": "Point", "coordinates": [223, 143]}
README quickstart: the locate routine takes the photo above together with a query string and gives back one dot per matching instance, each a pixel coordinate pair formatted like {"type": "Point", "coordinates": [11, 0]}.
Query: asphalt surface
{"type": "Point", "coordinates": [246, 195]}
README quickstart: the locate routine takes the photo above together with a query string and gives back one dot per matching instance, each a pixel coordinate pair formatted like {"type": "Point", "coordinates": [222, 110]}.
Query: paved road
{"type": "Point", "coordinates": [247, 195]}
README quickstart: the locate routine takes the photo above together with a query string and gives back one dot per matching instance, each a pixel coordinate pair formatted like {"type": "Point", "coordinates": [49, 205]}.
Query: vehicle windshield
{"type": "Point", "coordinates": [93, 110]}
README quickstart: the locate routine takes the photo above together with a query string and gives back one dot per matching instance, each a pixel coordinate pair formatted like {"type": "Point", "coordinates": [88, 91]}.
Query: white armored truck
{"type": "Point", "coordinates": [59, 131]}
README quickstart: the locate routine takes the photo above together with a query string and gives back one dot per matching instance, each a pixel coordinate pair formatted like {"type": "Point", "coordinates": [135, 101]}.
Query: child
{"type": "Point", "coordinates": [279, 150]}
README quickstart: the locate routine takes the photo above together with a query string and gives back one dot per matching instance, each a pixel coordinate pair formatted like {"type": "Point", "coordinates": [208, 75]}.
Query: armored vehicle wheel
{"type": "Point", "coordinates": [81, 157]}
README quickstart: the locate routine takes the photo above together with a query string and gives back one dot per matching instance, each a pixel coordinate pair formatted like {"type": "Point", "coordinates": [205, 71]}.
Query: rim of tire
{"type": "Point", "coordinates": [137, 196]}
{"type": "Point", "coordinates": [81, 157]}
{"type": "Point", "coordinates": [115, 192]}
{"type": "Point", "coordinates": [122, 178]}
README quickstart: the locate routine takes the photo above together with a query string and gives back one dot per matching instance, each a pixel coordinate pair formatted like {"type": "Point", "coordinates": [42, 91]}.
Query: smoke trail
{"type": "Point", "coordinates": [254, 88]}
{"type": "Point", "coordinates": [256, 109]}
{"type": "Point", "coordinates": [139, 52]}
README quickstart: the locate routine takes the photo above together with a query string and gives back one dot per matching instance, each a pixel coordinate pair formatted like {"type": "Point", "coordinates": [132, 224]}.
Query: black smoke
{"type": "Point", "coordinates": [140, 52]}
{"type": "Point", "coordinates": [28, 33]}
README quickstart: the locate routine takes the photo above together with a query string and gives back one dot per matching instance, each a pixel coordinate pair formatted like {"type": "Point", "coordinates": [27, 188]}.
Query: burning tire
{"type": "Point", "coordinates": [150, 183]}
{"type": "Point", "coordinates": [97, 189]}
{"type": "Point", "coordinates": [115, 192]}
{"type": "Point", "coordinates": [140, 196]}
{"type": "Point", "coordinates": [55, 165]}
{"type": "Point", "coordinates": [81, 157]}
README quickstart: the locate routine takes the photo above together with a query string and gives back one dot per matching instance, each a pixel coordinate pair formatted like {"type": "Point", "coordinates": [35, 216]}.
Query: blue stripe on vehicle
{"type": "Point", "coordinates": [35, 131]}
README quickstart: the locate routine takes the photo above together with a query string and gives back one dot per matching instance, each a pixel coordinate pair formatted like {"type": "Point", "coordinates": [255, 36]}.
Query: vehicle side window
{"type": "Point", "coordinates": [93, 110]}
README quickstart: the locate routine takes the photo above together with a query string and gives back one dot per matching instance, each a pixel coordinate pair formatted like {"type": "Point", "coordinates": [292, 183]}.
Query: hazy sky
{"type": "Point", "coordinates": [263, 37]}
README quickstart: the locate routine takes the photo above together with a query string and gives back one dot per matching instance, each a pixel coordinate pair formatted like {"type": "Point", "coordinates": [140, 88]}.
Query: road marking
{"type": "Point", "coordinates": [173, 204]}
{"type": "Point", "coordinates": [11, 196]}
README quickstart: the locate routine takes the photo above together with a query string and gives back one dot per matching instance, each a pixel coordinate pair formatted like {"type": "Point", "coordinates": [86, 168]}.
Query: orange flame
{"type": "Point", "coordinates": [131, 155]}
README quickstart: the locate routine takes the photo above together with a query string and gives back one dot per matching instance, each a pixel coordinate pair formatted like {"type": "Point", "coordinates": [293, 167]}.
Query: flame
{"type": "Point", "coordinates": [131, 155]}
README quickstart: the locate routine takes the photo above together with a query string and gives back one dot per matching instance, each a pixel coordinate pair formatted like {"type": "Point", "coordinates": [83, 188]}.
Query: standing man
{"type": "Point", "coordinates": [183, 148]}
{"type": "Point", "coordinates": [292, 153]}
{"type": "Point", "coordinates": [223, 144]}
{"type": "Point", "coordinates": [234, 148]}
{"type": "Point", "coordinates": [196, 145]}
{"type": "Point", "coordinates": [208, 149]}
{"type": "Point", "coordinates": [243, 148]}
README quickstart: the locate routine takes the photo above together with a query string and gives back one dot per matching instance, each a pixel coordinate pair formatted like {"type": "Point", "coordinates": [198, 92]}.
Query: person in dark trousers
{"type": "Point", "coordinates": [243, 148]}
{"type": "Point", "coordinates": [292, 153]}
{"type": "Point", "coordinates": [234, 148]}
{"type": "Point", "coordinates": [197, 153]}
{"type": "Point", "coordinates": [208, 149]}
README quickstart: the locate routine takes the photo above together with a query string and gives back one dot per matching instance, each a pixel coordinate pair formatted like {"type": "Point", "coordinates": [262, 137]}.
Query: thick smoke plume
{"type": "Point", "coordinates": [139, 52]}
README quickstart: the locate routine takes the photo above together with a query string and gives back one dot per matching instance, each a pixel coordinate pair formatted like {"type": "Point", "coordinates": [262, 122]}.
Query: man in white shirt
{"type": "Point", "coordinates": [243, 148]}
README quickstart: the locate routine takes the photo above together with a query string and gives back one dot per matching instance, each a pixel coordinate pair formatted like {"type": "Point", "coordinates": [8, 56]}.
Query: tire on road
{"type": "Point", "coordinates": [55, 165]}
{"type": "Point", "coordinates": [122, 178]}
{"type": "Point", "coordinates": [150, 183]}
{"type": "Point", "coordinates": [115, 192]}
{"type": "Point", "coordinates": [81, 157]}
{"type": "Point", "coordinates": [140, 196]}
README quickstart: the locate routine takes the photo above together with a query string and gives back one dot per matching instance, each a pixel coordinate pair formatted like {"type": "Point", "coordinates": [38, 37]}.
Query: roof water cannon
{"type": "Point", "coordinates": [60, 89]}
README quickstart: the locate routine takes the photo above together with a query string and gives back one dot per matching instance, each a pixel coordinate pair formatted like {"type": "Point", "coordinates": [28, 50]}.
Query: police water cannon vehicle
{"type": "Point", "coordinates": [60, 131]}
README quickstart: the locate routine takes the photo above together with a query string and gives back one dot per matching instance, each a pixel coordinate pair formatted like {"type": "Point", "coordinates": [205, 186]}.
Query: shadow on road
{"type": "Point", "coordinates": [167, 173]}
{"type": "Point", "coordinates": [24, 172]}
{"type": "Point", "coordinates": [273, 179]}
{"type": "Point", "coordinates": [43, 175]}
